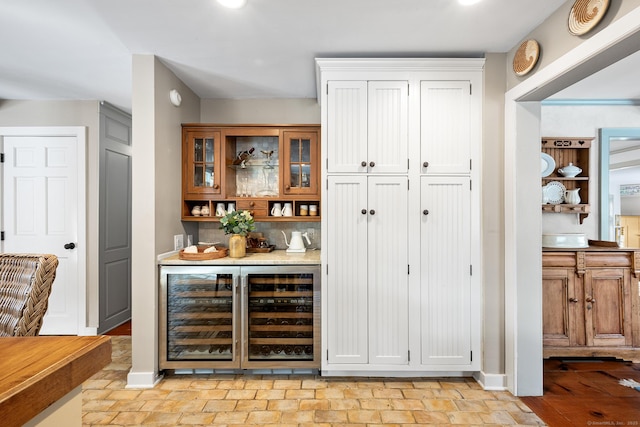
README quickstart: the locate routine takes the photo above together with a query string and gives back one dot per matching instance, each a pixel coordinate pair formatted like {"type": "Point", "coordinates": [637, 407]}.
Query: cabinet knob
{"type": "Point", "coordinates": [372, 212]}
{"type": "Point", "coordinates": [372, 164]}
{"type": "Point", "coordinates": [363, 164]}
{"type": "Point", "coordinates": [252, 204]}
{"type": "Point", "coordinates": [287, 187]}
{"type": "Point", "coordinates": [425, 164]}
{"type": "Point", "coordinates": [425, 212]}
{"type": "Point", "coordinates": [216, 186]}
{"type": "Point", "coordinates": [364, 211]}
{"type": "Point", "coordinates": [591, 300]}
{"type": "Point", "coordinates": [573, 299]}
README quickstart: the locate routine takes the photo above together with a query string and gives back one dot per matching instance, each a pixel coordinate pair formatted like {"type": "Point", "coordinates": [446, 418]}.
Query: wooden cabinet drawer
{"type": "Point", "coordinates": [256, 207]}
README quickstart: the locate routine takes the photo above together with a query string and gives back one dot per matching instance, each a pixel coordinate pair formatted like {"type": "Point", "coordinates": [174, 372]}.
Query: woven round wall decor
{"type": "Point", "coordinates": [585, 15]}
{"type": "Point", "coordinates": [526, 57]}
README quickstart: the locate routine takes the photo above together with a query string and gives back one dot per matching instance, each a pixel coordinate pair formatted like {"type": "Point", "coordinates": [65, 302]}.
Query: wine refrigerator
{"type": "Point", "coordinates": [247, 317]}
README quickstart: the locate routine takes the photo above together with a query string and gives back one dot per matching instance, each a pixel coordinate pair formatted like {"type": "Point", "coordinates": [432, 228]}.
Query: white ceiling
{"type": "Point", "coordinates": [80, 49]}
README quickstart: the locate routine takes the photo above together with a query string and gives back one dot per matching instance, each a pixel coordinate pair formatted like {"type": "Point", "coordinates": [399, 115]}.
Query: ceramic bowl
{"type": "Point", "coordinates": [565, 240]}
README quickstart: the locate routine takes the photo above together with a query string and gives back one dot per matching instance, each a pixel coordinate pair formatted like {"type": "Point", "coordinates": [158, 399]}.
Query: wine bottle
{"type": "Point", "coordinates": [243, 156]}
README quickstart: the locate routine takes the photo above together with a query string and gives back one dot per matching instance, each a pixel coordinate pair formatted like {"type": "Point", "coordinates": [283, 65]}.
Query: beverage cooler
{"type": "Point", "coordinates": [246, 317]}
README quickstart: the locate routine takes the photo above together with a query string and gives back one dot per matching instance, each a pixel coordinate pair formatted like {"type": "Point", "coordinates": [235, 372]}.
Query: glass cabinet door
{"type": "Point", "coordinates": [300, 163]}
{"type": "Point", "coordinates": [202, 162]}
{"type": "Point", "coordinates": [281, 317]}
{"type": "Point", "coordinates": [199, 317]}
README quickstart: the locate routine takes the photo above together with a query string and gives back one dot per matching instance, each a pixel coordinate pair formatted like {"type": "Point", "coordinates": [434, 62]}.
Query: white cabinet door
{"type": "Point", "coordinates": [347, 293]}
{"type": "Point", "coordinates": [367, 278]}
{"type": "Point", "coordinates": [445, 254]}
{"type": "Point", "coordinates": [367, 126]}
{"type": "Point", "coordinates": [388, 271]}
{"type": "Point", "coordinates": [347, 126]}
{"type": "Point", "coordinates": [388, 127]}
{"type": "Point", "coordinates": [445, 127]}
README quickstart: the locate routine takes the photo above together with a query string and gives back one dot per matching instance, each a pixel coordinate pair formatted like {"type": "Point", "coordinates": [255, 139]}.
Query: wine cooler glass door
{"type": "Point", "coordinates": [200, 320]}
{"type": "Point", "coordinates": [280, 319]}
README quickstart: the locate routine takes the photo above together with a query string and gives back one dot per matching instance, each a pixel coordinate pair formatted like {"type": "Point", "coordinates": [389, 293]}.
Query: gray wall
{"type": "Point", "coordinates": [156, 198]}
{"type": "Point", "coordinates": [555, 39]}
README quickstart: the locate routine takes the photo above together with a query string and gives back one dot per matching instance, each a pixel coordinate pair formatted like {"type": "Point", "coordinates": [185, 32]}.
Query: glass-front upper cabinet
{"type": "Point", "coordinates": [201, 163]}
{"type": "Point", "coordinates": [300, 163]}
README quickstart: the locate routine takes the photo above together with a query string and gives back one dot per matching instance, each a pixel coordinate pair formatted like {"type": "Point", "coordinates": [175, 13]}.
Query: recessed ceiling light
{"type": "Point", "coordinates": [233, 4]}
{"type": "Point", "coordinates": [468, 2]}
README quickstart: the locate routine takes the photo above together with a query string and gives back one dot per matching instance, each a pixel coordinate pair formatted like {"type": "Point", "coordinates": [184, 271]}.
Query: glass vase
{"type": "Point", "coordinates": [237, 246]}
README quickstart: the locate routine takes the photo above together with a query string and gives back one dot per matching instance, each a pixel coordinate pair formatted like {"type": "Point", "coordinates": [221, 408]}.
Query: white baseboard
{"type": "Point", "coordinates": [497, 382]}
{"type": "Point", "coordinates": [142, 379]}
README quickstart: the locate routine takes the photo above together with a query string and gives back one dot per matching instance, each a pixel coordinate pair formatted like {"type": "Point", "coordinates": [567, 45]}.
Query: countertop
{"type": "Point", "coordinates": [37, 371]}
{"type": "Point", "coordinates": [591, 249]}
{"type": "Point", "coordinates": [276, 257]}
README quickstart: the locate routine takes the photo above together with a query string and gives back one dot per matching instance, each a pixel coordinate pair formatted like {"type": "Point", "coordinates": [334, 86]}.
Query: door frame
{"type": "Point", "coordinates": [80, 134]}
{"type": "Point", "coordinates": [523, 217]}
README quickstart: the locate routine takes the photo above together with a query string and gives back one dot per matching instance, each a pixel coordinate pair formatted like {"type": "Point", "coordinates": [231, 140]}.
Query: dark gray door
{"type": "Point", "coordinates": [115, 218]}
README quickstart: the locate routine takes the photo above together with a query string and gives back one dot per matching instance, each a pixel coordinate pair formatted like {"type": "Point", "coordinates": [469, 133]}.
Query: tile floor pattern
{"type": "Point", "coordinates": [292, 400]}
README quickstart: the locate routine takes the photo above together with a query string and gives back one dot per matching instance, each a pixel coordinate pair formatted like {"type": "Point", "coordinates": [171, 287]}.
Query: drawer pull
{"type": "Point", "coordinates": [573, 299]}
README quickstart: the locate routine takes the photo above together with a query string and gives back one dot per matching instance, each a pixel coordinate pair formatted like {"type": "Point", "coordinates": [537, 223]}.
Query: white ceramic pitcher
{"type": "Point", "coordinates": [572, 197]}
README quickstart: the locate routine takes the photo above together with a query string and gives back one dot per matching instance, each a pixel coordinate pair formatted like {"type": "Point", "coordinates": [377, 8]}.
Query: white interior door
{"type": "Point", "coordinates": [43, 203]}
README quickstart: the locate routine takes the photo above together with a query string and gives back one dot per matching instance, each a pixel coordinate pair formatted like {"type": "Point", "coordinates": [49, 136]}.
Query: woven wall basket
{"type": "Point", "coordinates": [585, 15]}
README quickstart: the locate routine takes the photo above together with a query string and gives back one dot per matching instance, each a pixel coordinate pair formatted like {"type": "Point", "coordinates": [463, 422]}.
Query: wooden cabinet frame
{"type": "Point", "coordinates": [591, 303]}
{"type": "Point", "coordinates": [565, 151]}
{"type": "Point", "coordinates": [225, 189]}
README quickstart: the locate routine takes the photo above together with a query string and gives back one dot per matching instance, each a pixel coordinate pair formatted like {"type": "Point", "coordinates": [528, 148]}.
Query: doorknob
{"type": "Point", "coordinates": [70, 245]}
{"type": "Point", "coordinates": [591, 300]}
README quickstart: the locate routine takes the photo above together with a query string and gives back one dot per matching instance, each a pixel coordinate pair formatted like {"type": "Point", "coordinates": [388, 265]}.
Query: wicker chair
{"type": "Point", "coordinates": [25, 286]}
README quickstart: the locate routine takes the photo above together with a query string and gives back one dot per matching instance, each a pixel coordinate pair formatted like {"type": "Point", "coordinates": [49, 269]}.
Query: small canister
{"type": "Point", "coordinates": [304, 210]}
{"type": "Point", "coordinates": [313, 210]}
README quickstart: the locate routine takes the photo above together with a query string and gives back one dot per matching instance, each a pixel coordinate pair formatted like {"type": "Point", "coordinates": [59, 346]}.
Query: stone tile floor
{"type": "Point", "coordinates": [292, 400]}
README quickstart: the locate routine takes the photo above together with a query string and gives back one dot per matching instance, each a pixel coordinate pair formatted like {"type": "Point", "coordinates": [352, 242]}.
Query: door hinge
{"type": "Point", "coordinates": [408, 269]}
{"type": "Point", "coordinates": [327, 354]}
{"type": "Point", "coordinates": [327, 269]}
{"type": "Point", "coordinates": [470, 269]}
{"type": "Point", "coordinates": [470, 185]}
{"type": "Point", "coordinates": [408, 184]}
{"type": "Point", "coordinates": [407, 164]}
{"type": "Point", "coordinates": [408, 355]}
{"type": "Point", "coordinates": [1, 157]}
{"type": "Point", "coordinates": [470, 89]}
{"type": "Point", "coordinates": [471, 355]}
{"type": "Point", "coordinates": [1, 235]}
{"type": "Point", "coordinates": [470, 164]}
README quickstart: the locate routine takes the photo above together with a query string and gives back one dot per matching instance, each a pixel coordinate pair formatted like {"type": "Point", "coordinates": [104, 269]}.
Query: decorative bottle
{"type": "Point", "coordinates": [243, 156]}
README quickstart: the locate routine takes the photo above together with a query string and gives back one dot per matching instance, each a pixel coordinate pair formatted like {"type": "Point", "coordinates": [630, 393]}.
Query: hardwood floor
{"type": "Point", "coordinates": [124, 329]}
{"type": "Point", "coordinates": [577, 392]}
{"type": "Point", "coordinates": [586, 392]}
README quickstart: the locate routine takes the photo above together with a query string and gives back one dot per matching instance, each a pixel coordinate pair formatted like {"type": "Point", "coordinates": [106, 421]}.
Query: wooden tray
{"type": "Point", "coordinates": [201, 256]}
{"type": "Point", "coordinates": [261, 250]}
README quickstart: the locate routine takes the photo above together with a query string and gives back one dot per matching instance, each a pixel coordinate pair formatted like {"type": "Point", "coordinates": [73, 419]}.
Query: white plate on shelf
{"type": "Point", "coordinates": [547, 164]}
{"type": "Point", "coordinates": [555, 192]}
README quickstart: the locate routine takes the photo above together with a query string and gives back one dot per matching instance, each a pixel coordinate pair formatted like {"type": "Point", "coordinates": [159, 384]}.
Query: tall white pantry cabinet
{"type": "Point", "coordinates": [401, 261]}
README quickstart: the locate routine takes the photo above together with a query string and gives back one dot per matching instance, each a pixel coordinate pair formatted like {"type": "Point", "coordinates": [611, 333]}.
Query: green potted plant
{"type": "Point", "coordinates": [238, 224]}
